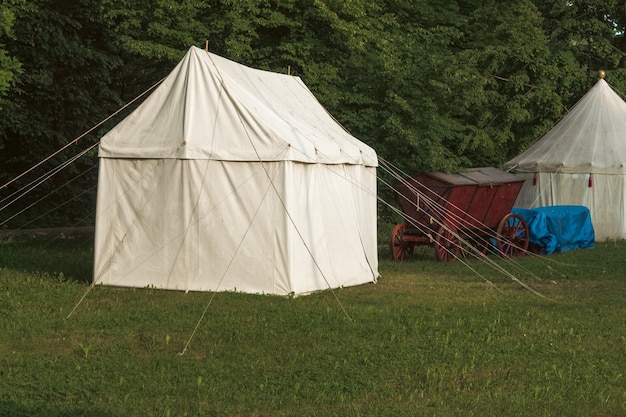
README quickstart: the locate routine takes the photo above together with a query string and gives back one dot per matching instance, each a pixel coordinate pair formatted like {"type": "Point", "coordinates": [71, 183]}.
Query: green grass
{"type": "Point", "coordinates": [429, 339]}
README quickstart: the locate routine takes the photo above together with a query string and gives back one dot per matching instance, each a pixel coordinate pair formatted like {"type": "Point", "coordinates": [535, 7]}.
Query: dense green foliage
{"type": "Point", "coordinates": [430, 85]}
{"type": "Point", "coordinates": [428, 339]}
{"type": "Point", "coordinates": [9, 66]}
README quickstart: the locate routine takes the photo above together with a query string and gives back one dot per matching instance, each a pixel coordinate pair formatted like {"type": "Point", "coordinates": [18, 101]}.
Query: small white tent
{"type": "Point", "coordinates": [581, 161]}
{"type": "Point", "coordinates": [228, 178]}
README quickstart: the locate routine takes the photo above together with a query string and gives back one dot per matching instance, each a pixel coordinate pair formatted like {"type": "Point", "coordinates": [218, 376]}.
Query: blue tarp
{"type": "Point", "coordinates": [559, 228]}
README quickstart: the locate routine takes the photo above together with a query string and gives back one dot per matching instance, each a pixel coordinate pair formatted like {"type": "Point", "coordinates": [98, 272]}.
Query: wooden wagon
{"type": "Point", "coordinates": [458, 212]}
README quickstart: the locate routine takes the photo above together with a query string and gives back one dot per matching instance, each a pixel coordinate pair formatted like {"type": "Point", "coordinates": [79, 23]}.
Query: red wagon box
{"type": "Point", "coordinates": [453, 211]}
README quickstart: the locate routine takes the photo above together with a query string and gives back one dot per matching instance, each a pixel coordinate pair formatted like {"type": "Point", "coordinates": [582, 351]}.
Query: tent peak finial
{"type": "Point", "coordinates": [601, 74]}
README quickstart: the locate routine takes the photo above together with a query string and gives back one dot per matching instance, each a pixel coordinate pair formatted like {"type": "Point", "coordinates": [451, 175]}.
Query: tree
{"type": "Point", "coordinates": [63, 91]}
{"type": "Point", "coordinates": [584, 37]}
{"type": "Point", "coordinates": [150, 37]}
{"type": "Point", "coordinates": [10, 67]}
{"type": "Point", "coordinates": [501, 55]}
{"type": "Point", "coordinates": [438, 85]}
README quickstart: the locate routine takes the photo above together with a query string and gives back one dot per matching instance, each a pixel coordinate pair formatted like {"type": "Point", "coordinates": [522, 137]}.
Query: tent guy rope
{"type": "Point", "coordinates": [282, 202]}
{"type": "Point", "coordinates": [465, 246]}
{"type": "Point", "coordinates": [284, 207]}
{"type": "Point", "coordinates": [75, 141]}
{"type": "Point", "coordinates": [36, 183]}
{"type": "Point", "coordinates": [264, 169]}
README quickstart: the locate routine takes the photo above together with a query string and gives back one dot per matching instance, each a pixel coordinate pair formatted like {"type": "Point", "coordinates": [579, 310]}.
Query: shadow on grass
{"type": "Point", "coordinates": [60, 256]}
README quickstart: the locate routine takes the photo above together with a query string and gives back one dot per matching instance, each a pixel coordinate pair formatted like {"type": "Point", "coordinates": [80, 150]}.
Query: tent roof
{"type": "Point", "coordinates": [591, 138]}
{"type": "Point", "coordinates": [209, 107]}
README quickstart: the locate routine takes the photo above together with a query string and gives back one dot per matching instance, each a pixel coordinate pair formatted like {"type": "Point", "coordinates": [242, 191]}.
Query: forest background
{"type": "Point", "coordinates": [431, 85]}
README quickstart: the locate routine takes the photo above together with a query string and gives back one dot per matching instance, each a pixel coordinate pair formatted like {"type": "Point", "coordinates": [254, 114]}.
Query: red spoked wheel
{"type": "Point", "coordinates": [400, 249]}
{"type": "Point", "coordinates": [447, 245]}
{"type": "Point", "coordinates": [513, 236]}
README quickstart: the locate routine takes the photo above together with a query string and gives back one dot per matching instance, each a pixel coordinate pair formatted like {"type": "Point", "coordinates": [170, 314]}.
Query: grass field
{"type": "Point", "coordinates": [429, 339]}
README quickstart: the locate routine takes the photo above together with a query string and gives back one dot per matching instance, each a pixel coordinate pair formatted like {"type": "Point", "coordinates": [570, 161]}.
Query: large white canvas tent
{"type": "Point", "coordinates": [581, 161]}
{"type": "Point", "coordinates": [228, 178]}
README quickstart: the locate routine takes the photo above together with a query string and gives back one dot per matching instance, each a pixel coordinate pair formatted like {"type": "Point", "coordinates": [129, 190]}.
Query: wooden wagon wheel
{"type": "Point", "coordinates": [446, 245]}
{"type": "Point", "coordinates": [400, 249]}
{"type": "Point", "coordinates": [513, 235]}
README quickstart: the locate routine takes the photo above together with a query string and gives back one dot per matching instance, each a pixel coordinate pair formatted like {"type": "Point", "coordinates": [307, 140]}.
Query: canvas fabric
{"type": "Point", "coordinates": [605, 199]}
{"type": "Point", "coordinates": [233, 179]}
{"type": "Point", "coordinates": [213, 108]}
{"type": "Point", "coordinates": [590, 141]}
{"type": "Point", "coordinates": [222, 226]}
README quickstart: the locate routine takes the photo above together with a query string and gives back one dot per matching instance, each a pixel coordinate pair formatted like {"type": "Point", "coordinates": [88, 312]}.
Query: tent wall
{"type": "Point", "coordinates": [214, 225]}
{"type": "Point", "coordinates": [589, 140]}
{"type": "Point", "coordinates": [605, 198]}
{"type": "Point", "coordinates": [335, 215]}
